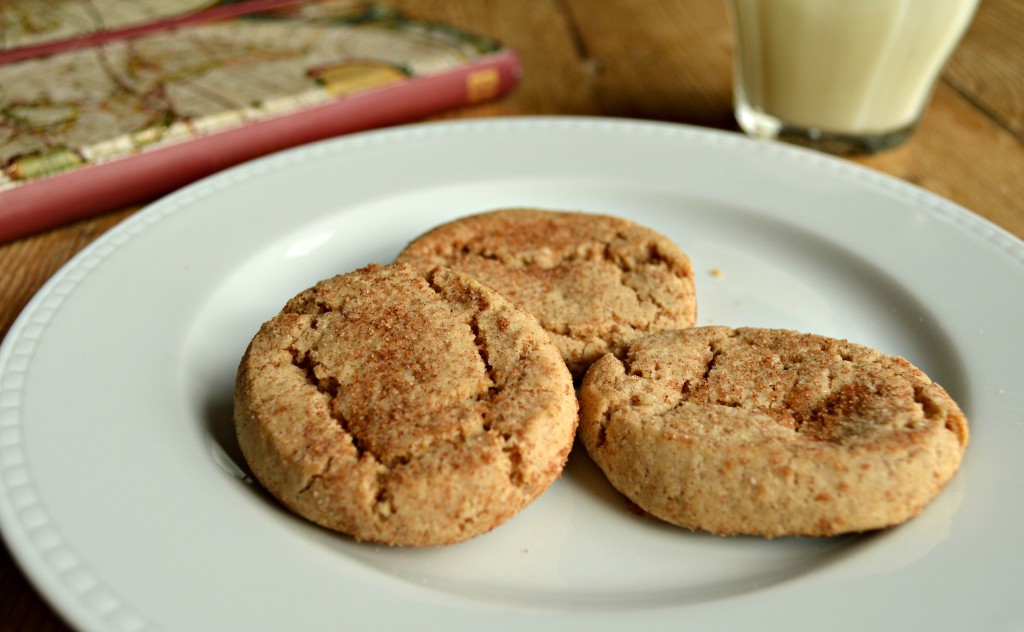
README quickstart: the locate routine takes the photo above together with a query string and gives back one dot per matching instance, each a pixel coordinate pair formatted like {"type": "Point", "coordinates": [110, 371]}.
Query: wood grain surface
{"type": "Point", "coordinates": [666, 60]}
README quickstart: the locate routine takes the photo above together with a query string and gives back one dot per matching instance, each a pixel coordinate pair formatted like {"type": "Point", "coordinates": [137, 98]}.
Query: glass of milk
{"type": "Point", "coordinates": [844, 76]}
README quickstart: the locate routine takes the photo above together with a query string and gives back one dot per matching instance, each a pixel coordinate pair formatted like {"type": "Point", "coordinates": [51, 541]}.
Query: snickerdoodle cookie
{"type": "Point", "coordinates": [404, 408]}
{"type": "Point", "coordinates": [594, 282]}
{"type": "Point", "coordinates": [769, 432]}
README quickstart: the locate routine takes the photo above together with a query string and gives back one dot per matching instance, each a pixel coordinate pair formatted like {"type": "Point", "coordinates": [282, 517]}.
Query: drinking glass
{"type": "Point", "coordinates": [843, 76]}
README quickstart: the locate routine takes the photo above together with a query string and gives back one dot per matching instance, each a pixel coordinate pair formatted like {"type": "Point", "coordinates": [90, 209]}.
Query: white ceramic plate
{"type": "Point", "coordinates": [124, 497]}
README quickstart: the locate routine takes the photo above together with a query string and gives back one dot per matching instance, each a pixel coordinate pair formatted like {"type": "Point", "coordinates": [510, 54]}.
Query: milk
{"type": "Point", "coordinates": [854, 67]}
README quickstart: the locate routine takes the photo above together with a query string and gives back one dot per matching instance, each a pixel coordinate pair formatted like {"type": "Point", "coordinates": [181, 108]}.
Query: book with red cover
{"type": "Point", "coordinates": [107, 102]}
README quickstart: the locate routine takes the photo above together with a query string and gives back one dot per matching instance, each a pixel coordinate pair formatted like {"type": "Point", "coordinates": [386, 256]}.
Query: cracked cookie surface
{"type": "Point", "coordinates": [594, 282]}
{"type": "Point", "coordinates": [404, 408]}
{"type": "Point", "coordinates": [769, 432]}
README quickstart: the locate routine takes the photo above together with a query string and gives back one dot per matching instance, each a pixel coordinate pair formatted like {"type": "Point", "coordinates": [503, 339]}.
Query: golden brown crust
{"type": "Point", "coordinates": [769, 432]}
{"type": "Point", "coordinates": [594, 282]}
{"type": "Point", "coordinates": [402, 408]}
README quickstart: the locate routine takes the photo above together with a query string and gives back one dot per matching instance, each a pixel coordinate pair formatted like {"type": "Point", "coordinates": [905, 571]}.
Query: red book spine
{"type": "Point", "coordinates": [93, 39]}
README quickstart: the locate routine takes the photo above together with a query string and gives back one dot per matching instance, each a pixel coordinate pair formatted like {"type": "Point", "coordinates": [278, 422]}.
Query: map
{"type": "Point", "coordinates": [107, 101]}
{"type": "Point", "coordinates": [33, 22]}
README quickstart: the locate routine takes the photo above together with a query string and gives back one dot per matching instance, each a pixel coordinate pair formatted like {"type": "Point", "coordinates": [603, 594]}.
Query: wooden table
{"type": "Point", "coordinates": [667, 60]}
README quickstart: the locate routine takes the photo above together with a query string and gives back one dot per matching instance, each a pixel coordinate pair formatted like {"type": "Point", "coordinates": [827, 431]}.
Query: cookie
{"type": "Point", "coordinates": [769, 432]}
{"type": "Point", "coordinates": [594, 282]}
{"type": "Point", "coordinates": [402, 408]}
